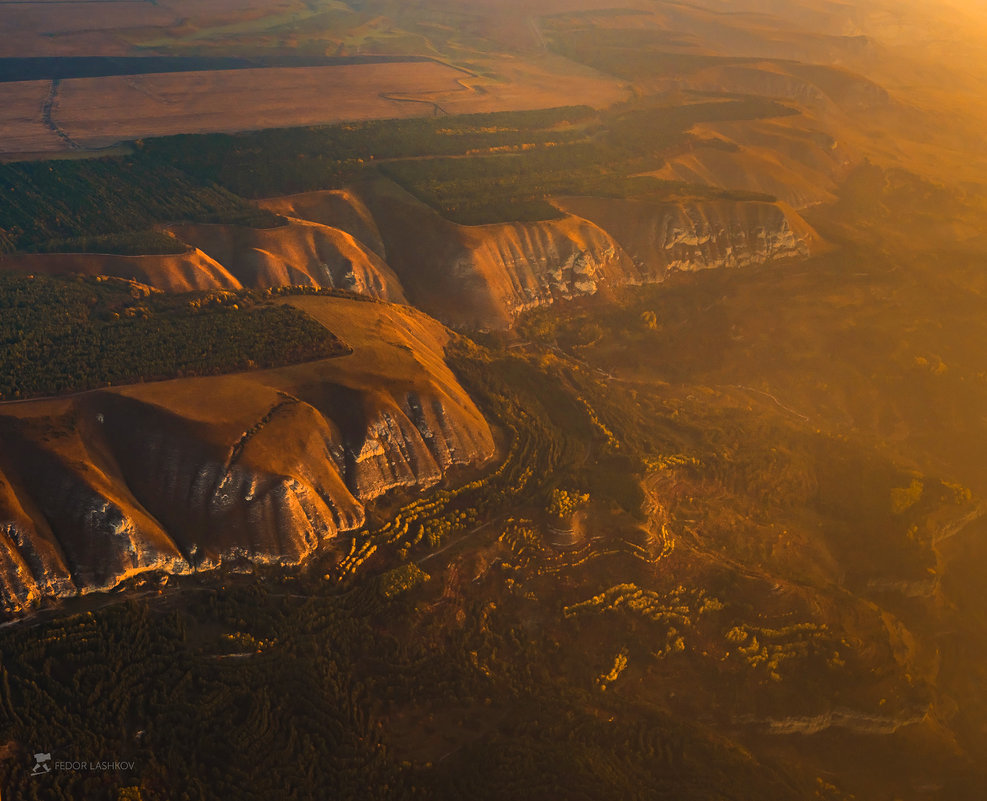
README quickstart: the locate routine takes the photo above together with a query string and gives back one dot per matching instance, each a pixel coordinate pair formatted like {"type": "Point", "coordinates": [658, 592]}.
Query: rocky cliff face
{"type": "Point", "coordinates": [698, 235]}
{"type": "Point", "coordinates": [194, 473]}
{"type": "Point", "coordinates": [299, 253]}
{"type": "Point", "coordinates": [479, 276]}
{"type": "Point", "coordinates": [378, 240]}
{"type": "Point", "coordinates": [268, 466]}
{"type": "Point", "coordinates": [483, 276]}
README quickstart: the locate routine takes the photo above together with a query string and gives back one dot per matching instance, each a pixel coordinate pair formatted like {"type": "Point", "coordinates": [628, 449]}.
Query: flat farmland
{"type": "Point", "coordinates": [84, 112]}
{"type": "Point", "coordinates": [96, 112]}
{"type": "Point", "coordinates": [92, 113]}
{"type": "Point", "coordinates": [22, 128]}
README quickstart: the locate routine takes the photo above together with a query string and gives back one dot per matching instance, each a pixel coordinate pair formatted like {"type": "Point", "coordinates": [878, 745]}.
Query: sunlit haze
{"type": "Point", "coordinates": [493, 399]}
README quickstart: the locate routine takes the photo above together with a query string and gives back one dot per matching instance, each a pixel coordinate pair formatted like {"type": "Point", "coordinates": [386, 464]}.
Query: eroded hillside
{"type": "Point", "coordinates": [474, 277]}
{"type": "Point", "coordinates": [642, 529]}
{"type": "Point", "coordinates": [265, 466]}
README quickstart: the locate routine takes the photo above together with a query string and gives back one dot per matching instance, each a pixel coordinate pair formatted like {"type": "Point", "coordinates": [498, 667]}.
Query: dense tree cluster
{"type": "Point", "coordinates": [283, 161]}
{"type": "Point", "coordinates": [504, 187]}
{"type": "Point", "coordinates": [132, 243]}
{"type": "Point", "coordinates": [67, 335]}
{"type": "Point", "coordinates": [310, 716]}
{"type": "Point", "coordinates": [474, 169]}
{"type": "Point", "coordinates": [45, 202]}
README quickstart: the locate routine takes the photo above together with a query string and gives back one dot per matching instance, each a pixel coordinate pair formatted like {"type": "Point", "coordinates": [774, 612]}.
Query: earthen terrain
{"type": "Point", "coordinates": [266, 466]}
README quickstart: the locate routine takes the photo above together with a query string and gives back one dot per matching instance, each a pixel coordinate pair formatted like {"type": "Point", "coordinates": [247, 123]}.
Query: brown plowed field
{"type": "Point", "coordinates": [98, 112]}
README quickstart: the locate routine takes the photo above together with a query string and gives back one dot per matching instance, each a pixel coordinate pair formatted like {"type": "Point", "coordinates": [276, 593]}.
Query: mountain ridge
{"type": "Point", "coordinates": [266, 466]}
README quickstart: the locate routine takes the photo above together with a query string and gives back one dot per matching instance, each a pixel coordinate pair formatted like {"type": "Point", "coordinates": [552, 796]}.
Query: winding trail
{"type": "Point", "coordinates": [458, 540]}
{"type": "Point", "coordinates": [780, 405]}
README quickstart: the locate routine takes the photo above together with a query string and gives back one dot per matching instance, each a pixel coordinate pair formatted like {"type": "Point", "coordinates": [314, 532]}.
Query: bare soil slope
{"type": "Point", "coordinates": [299, 253]}
{"type": "Point", "coordinates": [792, 158]}
{"type": "Point", "coordinates": [336, 208]}
{"type": "Point", "coordinates": [185, 272]}
{"type": "Point", "coordinates": [483, 276]}
{"type": "Point", "coordinates": [265, 466]}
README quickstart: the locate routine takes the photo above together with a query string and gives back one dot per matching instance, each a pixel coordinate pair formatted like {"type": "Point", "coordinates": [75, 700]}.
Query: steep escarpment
{"type": "Point", "coordinates": [298, 253]}
{"type": "Point", "coordinates": [473, 277]}
{"type": "Point", "coordinates": [523, 265]}
{"type": "Point", "coordinates": [378, 240]}
{"type": "Point", "coordinates": [483, 276]}
{"type": "Point", "coordinates": [70, 522]}
{"type": "Point", "coordinates": [193, 473]}
{"type": "Point", "coordinates": [695, 235]}
{"type": "Point", "coordinates": [338, 208]}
